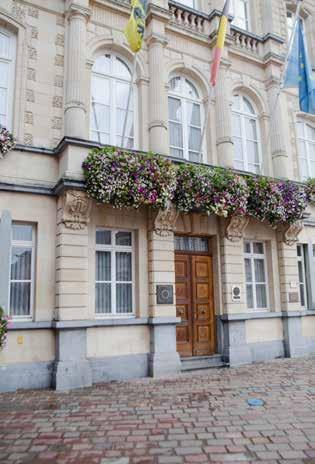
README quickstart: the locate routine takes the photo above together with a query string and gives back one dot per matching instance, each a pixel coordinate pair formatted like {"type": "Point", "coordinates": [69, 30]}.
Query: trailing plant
{"type": "Point", "coordinates": [311, 190]}
{"type": "Point", "coordinates": [275, 201]}
{"type": "Point", "coordinates": [129, 179]}
{"type": "Point", "coordinates": [4, 322]}
{"type": "Point", "coordinates": [210, 190]}
{"type": "Point", "coordinates": [125, 179]}
{"type": "Point", "coordinates": [7, 141]}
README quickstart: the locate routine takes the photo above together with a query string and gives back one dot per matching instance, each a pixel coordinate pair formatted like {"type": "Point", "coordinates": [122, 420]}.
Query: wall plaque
{"type": "Point", "coordinates": [164, 294]}
{"type": "Point", "coordinates": [294, 297]}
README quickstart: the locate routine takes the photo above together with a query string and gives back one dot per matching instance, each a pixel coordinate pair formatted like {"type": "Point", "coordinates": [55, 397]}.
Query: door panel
{"type": "Point", "coordinates": [194, 300]}
{"type": "Point", "coordinates": [183, 305]}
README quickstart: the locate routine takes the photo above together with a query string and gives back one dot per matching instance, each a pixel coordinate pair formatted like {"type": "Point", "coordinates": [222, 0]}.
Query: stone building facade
{"type": "Point", "coordinates": [89, 287]}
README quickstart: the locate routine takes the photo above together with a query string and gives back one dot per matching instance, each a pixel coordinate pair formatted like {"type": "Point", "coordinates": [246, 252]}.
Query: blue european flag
{"type": "Point", "coordinates": [299, 71]}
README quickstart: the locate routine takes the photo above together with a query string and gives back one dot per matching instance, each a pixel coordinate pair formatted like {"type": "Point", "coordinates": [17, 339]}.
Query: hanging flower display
{"type": "Point", "coordinates": [4, 322]}
{"type": "Point", "coordinates": [212, 191]}
{"type": "Point", "coordinates": [129, 179]}
{"type": "Point", "coordinates": [275, 201]}
{"type": "Point", "coordinates": [311, 190]}
{"type": "Point", "coordinates": [125, 179]}
{"type": "Point", "coordinates": [7, 141]}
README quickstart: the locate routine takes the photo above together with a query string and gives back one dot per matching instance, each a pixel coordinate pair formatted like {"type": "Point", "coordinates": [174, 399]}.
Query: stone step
{"type": "Point", "coordinates": [202, 362]}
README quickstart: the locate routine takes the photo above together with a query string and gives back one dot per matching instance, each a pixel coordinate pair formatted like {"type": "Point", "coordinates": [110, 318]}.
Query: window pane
{"type": "Point", "coordinates": [190, 90]}
{"type": "Point", "coordinates": [258, 248]}
{"type": "Point", "coordinates": [194, 156]}
{"type": "Point", "coordinates": [249, 296]}
{"type": "Point", "coordinates": [251, 129]}
{"type": "Point", "coordinates": [123, 238]}
{"type": "Point", "coordinates": [194, 139]}
{"type": "Point", "coordinates": [124, 298]}
{"type": "Point", "coordinates": [120, 121]}
{"type": "Point", "coordinates": [193, 116]}
{"type": "Point", "coordinates": [4, 74]}
{"type": "Point", "coordinates": [121, 69]}
{"type": "Point", "coordinates": [176, 152]}
{"type": "Point", "coordinates": [252, 152]}
{"type": "Point", "coordinates": [22, 232]}
{"type": "Point", "coordinates": [304, 169]}
{"type": "Point", "coordinates": [248, 270]}
{"type": "Point", "coordinates": [103, 237]}
{"type": "Point", "coordinates": [248, 107]}
{"type": "Point", "coordinates": [103, 266]}
{"type": "Point", "coordinates": [247, 247]}
{"type": "Point", "coordinates": [299, 250]}
{"type": "Point", "coordinates": [238, 150]}
{"type": "Point", "coordinates": [123, 267]}
{"type": "Point", "coordinates": [191, 244]}
{"type": "Point", "coordinates": [20, 298]}
{"type": "Point", "coordinates": [122, 92]}
{"type": "Point", "coordinates": [236, 102]}
{"type": "Point", "coordinates": [259, 270]}
{"type": "Point", "coordinates": [100, 90]}
{"type": "Point", "coordinates": [103, 298]}
{"type": "Point", "coordinates": [175, 84]}
{"type": "Point", "coordinates": [102, 64]}
{"type": "Point", "coordinates": [174, 109]}
{"type": "Point", "coordinates": [21, 263]}
{"type": "Point", "coordinates": [176, 135]}
{"type": "Point", "coordinates": [236, 125]}
{"type": "Point", "coordinates": [261, 295]}
{"type": "Point", "coordinates": [301, 274]}
{"type": "Point", "coordinates": [100, 117]}
{"type": "Point", "coordinates": [302, 294]}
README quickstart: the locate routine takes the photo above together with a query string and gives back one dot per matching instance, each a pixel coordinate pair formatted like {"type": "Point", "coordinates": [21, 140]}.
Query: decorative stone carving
{"type": "Point", "coordinates": [236, 227]}
{"type": "Point", "coordinates": [76, 209]}
{"type": "Point", "coordinates": [164, 223]}
{"type": "Point", "coordinates": [291, 233]}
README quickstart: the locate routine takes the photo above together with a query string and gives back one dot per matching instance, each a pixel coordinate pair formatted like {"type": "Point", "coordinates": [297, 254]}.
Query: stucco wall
{"type": "Point", "coordinates": [264, 330]}
{"type": "Point", "coordinates": [308, 326]}
{"type": "Point", "coordinates": [117, 341]}
{"type": "Point", "coordinates": [25, 346]}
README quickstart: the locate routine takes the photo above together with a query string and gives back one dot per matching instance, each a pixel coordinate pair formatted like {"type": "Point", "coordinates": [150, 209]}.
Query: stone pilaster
{"type": "Point", "coordinates": [75, 82]}
{"type": "Point", "coordinates": [223, 118]}
{"type": "Point", "coordinates": [72, 256]}
{"type": "Point", "coordinates": [163, 358]}
{"type": "Point", "coordinates": [72, 370]}
{"type": "Point", "coordinates": [288, 272]}
{"type": "Point", "coordinates": [158, 121]}
{"type": "Point", "coordinates": [280, 159]}
{"type": "Point", "coordinates": [5, 252]}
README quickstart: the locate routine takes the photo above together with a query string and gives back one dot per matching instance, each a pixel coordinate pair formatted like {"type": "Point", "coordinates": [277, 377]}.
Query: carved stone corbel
{"type": "Point", "coordinates": [76, 209]}
{"type": "Point", "coordinates": [165, 220]}
{"type": "Point", "coordinates": [236, 227]}
{"type": "Point", "coordinates": [291, 233]}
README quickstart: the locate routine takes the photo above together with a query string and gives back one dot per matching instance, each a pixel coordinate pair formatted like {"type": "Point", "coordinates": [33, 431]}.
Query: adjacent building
{"type": "Point", "coordinates": [97, 293]}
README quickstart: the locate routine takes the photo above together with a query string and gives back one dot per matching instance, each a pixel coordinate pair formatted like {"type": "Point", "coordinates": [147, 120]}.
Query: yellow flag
{"type": "Point", "coordinates": [134, 30]}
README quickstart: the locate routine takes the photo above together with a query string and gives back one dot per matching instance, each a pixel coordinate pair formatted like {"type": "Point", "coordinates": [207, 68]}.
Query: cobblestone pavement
{"type": "Point", "coordinates": [199, 417]}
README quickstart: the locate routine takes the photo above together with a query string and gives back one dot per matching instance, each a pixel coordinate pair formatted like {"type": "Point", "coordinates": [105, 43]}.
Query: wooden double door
{"type": "Point", "coordinates": [196, 334]}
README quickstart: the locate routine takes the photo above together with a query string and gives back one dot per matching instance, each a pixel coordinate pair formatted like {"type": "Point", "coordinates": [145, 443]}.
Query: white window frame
{"type": "Point", "coordinates": [252, 256]}
{"type": "Point", "coordinates": [113, 248]}
{"type": "Point", "coordinates": [243, 115]}
{"type": "Point", "coordinates": [11, 61]}
{"type": "Point", "coordinates": [307, 142]}
{"type": "Point", "coordinates": [24, 244]}
{"type": "Point", "coordinates": [246, 19]}
{"type": "Point", "coordinates": [113, 79]}
{"type": "Point", "coordinates": [194, 6]}
{"type": "Point", "coordinates": [302, 260]}
{"type": "Point", "coordinates": [185, 123]}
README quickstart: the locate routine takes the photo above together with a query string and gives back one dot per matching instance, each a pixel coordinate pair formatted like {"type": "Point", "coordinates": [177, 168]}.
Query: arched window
{"type": "Point", "coordinates": [240, 11]}
{"type": "Point", "coordinates": [7, 76]}
{"type": "Point", "coordinates": [184, 108]}
{"type": "Point", "coordinates": [306, 149]}
{"type": "Point", "coordinates": [110, 84]}
{"type": "Point", "coordinates": [245, 133]}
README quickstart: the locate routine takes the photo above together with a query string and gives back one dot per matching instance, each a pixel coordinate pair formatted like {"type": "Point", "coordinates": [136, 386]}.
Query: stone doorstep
{"type": "Point", "coordinates": [202, 362]}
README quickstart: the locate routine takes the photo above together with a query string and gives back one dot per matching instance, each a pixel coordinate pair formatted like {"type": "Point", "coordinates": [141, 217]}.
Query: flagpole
{"type": "Point", "coordinates": [284, 71]}
{"type": "Point", "coordinates": [133, 74]}
{"type": "Point", "coordinates": [204, 129]}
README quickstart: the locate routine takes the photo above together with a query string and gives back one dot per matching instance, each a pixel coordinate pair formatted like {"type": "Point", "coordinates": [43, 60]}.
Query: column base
{"type": "Point", "coordinates": [163, 359]}
{"type": "Point", "coordinates": [71, 374]}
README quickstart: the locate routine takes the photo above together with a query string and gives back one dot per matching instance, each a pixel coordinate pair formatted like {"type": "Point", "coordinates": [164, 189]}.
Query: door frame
{"type": "Point", "coordinates": [207, 254]}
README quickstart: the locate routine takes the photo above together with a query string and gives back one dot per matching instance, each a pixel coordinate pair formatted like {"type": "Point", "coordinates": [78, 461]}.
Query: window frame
{"type": "Point", "coordinates": [252, 256]}
{"type": "Point", "coordinates": [185, 100]}
{"type": "Point", "coordinates": [113, 248]}
{"type": "Point", "coordinates": [11, 61]}
{"type": "Point", "coordinates": [24, 244]}
{"type": "Point", "coordinates": [243, 115]}
{"type": "Point", "coordinates": [113, 79]}
{"type": "Point", "coordinates": [302, 259]}
{"type": "Point", "coordinates": [306, 141]}
{"type": "Point", "coordinates": [247, 18]}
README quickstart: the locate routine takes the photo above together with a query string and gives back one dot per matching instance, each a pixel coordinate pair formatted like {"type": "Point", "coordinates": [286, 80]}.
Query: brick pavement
{"type": "Point", "coordinates": [194, 418]}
